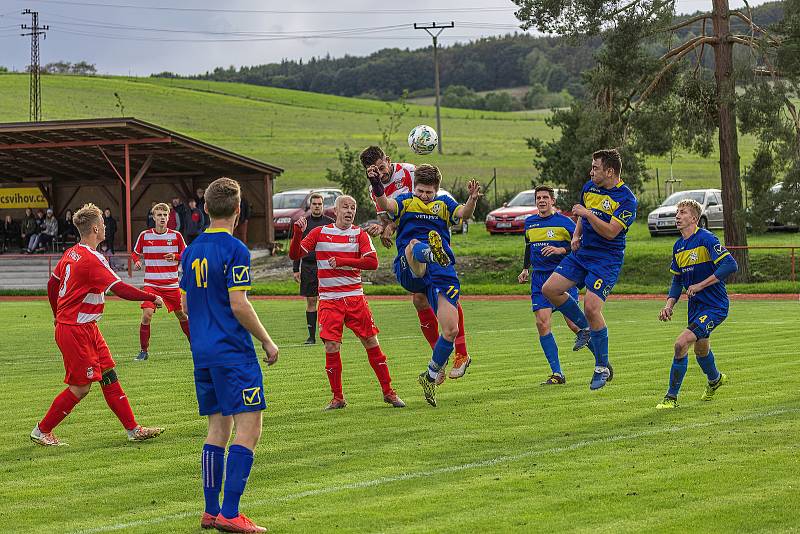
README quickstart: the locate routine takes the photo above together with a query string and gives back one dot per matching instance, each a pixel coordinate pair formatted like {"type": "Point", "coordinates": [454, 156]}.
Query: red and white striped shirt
{"type": "Point", "coordinates": [84, 277]}
{"type": "Point", "coordinates": [330, 241]}
{"type": "Point", "coordinates": [401, 181]}
{"type": "Point", "coordinates": [152, 246]}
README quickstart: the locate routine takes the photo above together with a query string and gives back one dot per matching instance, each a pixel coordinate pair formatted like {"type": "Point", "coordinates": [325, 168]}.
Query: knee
{"type": "Point", "coordinates": [180, 315]}
{"type": "Point", "coordinates": [548, 290]}
{"type": "Point", "coordinates": [700, 350]}
{"type": "Point", "coordinates": [420, 301]}
{"type": "Point", "coordinates": [449, 332]}
{"type": "Point", "coordinates": [681, 348]}
{"type": "Point", "coordinates": [147, 316]}
{"type": "Point", "coordinates": [80, 391]}
{"type": "Point", "coordinates": [332, 346]}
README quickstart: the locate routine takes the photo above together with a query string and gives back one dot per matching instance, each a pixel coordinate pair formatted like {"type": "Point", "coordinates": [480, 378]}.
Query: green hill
{"type": "Point", "coordinates": [301, 131]}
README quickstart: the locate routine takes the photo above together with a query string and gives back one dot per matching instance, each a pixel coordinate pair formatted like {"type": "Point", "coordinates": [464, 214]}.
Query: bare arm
{"type": "Point", "coordinates": [247, 317]}
{"type": "Point", "coordinates": [466, 210]}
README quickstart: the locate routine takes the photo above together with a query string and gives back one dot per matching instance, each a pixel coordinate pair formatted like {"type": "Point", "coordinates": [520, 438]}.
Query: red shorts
{"type": "Point", "coordinates": [85, 353]}
{"type": "Point", "coordinates": [171, 296]}
{"type": "Point", "coordinates": [351, 311]}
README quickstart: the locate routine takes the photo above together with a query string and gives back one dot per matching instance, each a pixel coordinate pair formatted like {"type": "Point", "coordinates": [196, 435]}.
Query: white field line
{"type": "Point", "coordinates": [447, 470]}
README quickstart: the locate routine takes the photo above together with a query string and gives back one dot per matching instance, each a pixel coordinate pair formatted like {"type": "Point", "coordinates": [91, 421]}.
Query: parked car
{"type": "Point", "coordinates": [773, 220]}
{"type": "Point", "coordinates": [662, 219]}
{"type": "Point", "coordinates": [510, 219]}
{"type": "Point", "coordinates": [288, 206]}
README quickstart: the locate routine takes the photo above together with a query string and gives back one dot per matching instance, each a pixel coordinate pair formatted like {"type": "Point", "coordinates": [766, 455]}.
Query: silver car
{"type": "Point", "coordinates": [662, 219]}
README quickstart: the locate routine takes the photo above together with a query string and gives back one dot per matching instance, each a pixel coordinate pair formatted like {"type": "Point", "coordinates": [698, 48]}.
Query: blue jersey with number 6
{"type": "Point", "coordinates": [213, 265]}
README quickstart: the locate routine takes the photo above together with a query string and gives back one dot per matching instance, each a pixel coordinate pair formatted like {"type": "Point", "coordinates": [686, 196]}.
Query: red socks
{"type": "Point", "coordinates": [377, 359]}
{"type": "Point", "coordinates": [429, 325]}
{"type": "Point", "coordinates": [62, 405]}
{"type": "Point", "coordinates": [185, 328]}
{"type": "Point", "coordinates": [118, 402]}
{"type": "Point", "coordinates": [333, 368]}
{"type": "Point", "coordinates": [461, 341]}
{"type": "Point", "coordinates": [144, 336]}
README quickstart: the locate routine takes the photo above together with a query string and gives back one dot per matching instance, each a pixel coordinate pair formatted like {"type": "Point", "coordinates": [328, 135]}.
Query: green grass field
{"type": "Point", "coordinates": [301, 131]}
{"type": "Point", "coordinates": [500, 454]}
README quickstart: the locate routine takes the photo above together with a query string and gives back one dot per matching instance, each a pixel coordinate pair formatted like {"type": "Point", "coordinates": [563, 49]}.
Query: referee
{"type": "Point", "coordinates": [305, 270]}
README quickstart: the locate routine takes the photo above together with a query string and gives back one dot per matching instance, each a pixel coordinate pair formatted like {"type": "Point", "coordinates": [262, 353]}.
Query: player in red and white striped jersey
{"type": "Point", "coordinates": [160, 249]}
{"type": "Point", "coordinates": [397, 179]}
{"type": "Point", "coordinates": [343, 250]}
{"type": "Point", "coordinates": [76, 291]}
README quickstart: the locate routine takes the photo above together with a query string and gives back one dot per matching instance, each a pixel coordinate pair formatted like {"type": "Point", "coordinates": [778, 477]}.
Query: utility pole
{"type": "Point", "coordinates": [440, 27]}
{"type": "Point", "coordinates": [34, 30]}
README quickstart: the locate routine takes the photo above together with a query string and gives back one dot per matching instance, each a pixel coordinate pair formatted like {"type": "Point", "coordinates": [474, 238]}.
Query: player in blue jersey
{"type": "Point", "coordinates": [606, 210]}
{"type": "Point", "coordinates": [700, 264]}
{"type": "Point", "coordinates": [425, 263]}
{"type": "Point", "coordinates": [227, 375]}
{"type": "Point", "coordinates": [547, 241]}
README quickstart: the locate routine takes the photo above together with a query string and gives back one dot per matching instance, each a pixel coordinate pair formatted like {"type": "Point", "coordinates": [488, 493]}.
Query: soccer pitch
{"type": "Point", "coordinates": [499, 454]}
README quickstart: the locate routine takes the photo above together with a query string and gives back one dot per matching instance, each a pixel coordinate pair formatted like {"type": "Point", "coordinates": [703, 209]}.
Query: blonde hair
{"type": "Point", "coordinates": [692, 205]}
{"type": "Point", "coordinates": [222, 198]}
{"type": "Point", "coordinates": [86, 217]}
{"type": "Point", "coordinates": [161, 206]}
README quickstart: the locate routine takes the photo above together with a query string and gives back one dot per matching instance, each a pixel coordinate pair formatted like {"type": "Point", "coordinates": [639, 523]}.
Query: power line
{"type": "Point", "coordinates": [35, 31]}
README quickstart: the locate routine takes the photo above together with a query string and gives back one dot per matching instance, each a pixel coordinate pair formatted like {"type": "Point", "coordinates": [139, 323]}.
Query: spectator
{"type": "Point", "coordinates": [151, 222]}
{"type": "Point", "coordinates": [11, 234]}
{"type": "Point", "coordinates": [244, 216]}
{"type": "Point", "coordinates": [111, 229]}
{"type": "Point", "coordinates": [50, 230]}
{"type": "Point", "coordinates": [201, 205]}
{"type": "Point", "coordinates": [194, 222]}
{"type": "Point", "coordinates": [29, 227]}
{"type": "Point", "coordinates": [33, 241]}
{"type": "Point", "coordinates": [69, 234]}
{"type": "Point", "coordinates": [175, 218]}
{"type": "Point", "coordinates": [181, 214]}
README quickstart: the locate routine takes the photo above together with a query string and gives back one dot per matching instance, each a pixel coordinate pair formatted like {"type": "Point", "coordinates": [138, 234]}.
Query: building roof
{"type": "Point", "coordinates": [81, 150]}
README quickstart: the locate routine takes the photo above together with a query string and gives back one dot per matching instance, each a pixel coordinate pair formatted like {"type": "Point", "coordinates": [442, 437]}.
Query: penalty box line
{"type": "Point", "coordinates": [452, 469]}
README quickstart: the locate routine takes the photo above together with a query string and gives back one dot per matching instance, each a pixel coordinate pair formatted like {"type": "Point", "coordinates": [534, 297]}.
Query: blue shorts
{"type": "Point", "coordinates": [597, 271]}
{"type": "Point", "coordinates": [436, 281]}
{"type": "Point", "coordinates": [538, 300]}
{"type": "Point", "coordinates": [230, 389]}
{"type": "Point", "coordinates": [703, 320]}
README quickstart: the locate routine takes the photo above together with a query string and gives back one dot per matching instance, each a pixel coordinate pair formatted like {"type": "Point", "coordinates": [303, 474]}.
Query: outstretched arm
{"type": "Point", "coordinates": [466, 211]}
{"type": "Point", "coordinates": [384, 203]}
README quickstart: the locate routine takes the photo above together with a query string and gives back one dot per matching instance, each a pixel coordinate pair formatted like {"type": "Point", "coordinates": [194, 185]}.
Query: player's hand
{"type": "Point", "coordinates": [332, 262]}
{"type": "Point", "coordinates": [549, 250]}
{"type": "Point", "coordinates": [373, 172]}
{"type": "Point", "coordinates": [301, 224]}
{"type": "Point", "coordinates": [296, 277]}
{"type": "Point", "coordinates": [575, 244]}
{"type": "Point", "coordinates": [693, 290]}
{"type": "Point", "coordinates": [374, 230]}
{"type": "Point", "coordinates": [579, 210]}
{"type": "Point", "coordinates": [523, 276]}
{"type": "Point", "coordinates": [665, 314]}
{"type": "Point", "coordinates": [272, 352]}
{"type": "Point", "coordinates": [474, 189]}
{"type": "Point", "coordinates": [386, 236]}
{"type": "Point", "coordinates": [137, 265]}
{"type": "Point", "coordinates": [159, 302]}
{"type": "Point", "coordinates": [387, 242]}
{"type": "Point", "coordinates": [169, 256]}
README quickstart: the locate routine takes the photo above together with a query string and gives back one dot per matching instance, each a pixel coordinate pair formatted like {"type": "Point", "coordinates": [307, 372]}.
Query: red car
{"type": "Point", "coordinates": [288, 206]}
{"type": "Point", "coordinates": [510, 219]}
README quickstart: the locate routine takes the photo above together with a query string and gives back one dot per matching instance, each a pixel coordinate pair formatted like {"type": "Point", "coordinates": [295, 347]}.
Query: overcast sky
{"type": "Point", "coordinates": [194, 38]}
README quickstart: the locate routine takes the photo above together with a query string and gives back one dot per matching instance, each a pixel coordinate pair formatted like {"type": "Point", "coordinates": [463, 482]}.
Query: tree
{"type": "Point", "coordinates": [646, 20]}
{"type": "Point", "coordinates": [352, 179]}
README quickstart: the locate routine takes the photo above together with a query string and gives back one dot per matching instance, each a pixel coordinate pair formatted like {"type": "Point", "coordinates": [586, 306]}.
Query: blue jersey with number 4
{"type": "Point", "coordinates": [693, 260]}
{"type": "Point", "coordinates": [213, 265]}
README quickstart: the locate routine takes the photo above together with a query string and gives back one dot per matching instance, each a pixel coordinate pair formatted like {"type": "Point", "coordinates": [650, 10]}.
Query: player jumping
{"type": "Point", "coordinates": [76, 291]}
{"type": "Point", "coordinates": [398, 179]}
{"type": "Point", "coordinates": [342, 251]}
{"type": "Point", "coordinates": [425, 262]}
{"type": "Point", "coordinates": [700, 264]}
{"type": "Point", "coordinates": [547, 241]}
{"type": "Point", "coordinates": [227, 375]}
{"type": "Point", "coordinates": [161, 250]}
{"type": "Point", "coordinates": [606, 210]}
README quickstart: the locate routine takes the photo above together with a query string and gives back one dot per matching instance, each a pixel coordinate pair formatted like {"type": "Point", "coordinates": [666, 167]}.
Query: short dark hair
{"type": "Point", "coordinates": [370, 155]}
{"type": "Point", "coordinates": [426, 174]}
{"type": "Point", "coordinates": [312, 196]}
{"type": "Point", "coordinates": [610, 158]}
{"type": "Point", "coordinates": [545, 188]}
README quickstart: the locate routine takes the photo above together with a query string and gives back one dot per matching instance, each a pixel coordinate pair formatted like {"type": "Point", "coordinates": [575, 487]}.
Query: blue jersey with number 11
{"type": "Point", "coordinates": [214, 264]}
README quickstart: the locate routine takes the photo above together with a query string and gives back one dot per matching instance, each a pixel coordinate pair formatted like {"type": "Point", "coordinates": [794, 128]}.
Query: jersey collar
{"type": "Point", "coordinates": [217, 231]}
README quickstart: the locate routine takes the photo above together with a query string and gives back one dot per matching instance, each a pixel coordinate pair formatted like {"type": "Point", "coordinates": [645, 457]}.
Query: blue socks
{"type": "Point", "coordinates": [708, 366]}
{"type": "Point", "coordinates": [550, 348]}
{"type": "Point", "coordinates": [421, 252]}
{"type": "Point", "coordinates": [598, 342]}
{"type": "Point", "coordinates": [240, 461]}
{"type": "Point", "coordinates": [573, 312]}
{"type": "Point", "coordinates": [676, 374]}
{"type": "Point", "coordinates": [441, 353]}
{"type": "Point", "coordinates": [212, 463]}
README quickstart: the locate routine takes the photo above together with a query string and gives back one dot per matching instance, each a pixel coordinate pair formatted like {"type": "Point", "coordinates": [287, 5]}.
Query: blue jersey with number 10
{"type": "Point", "coordinates": [214, 264]}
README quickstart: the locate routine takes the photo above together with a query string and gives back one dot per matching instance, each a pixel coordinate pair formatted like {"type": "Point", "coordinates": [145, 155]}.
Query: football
{"type": "Point", "coordinates": [423, 139]}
